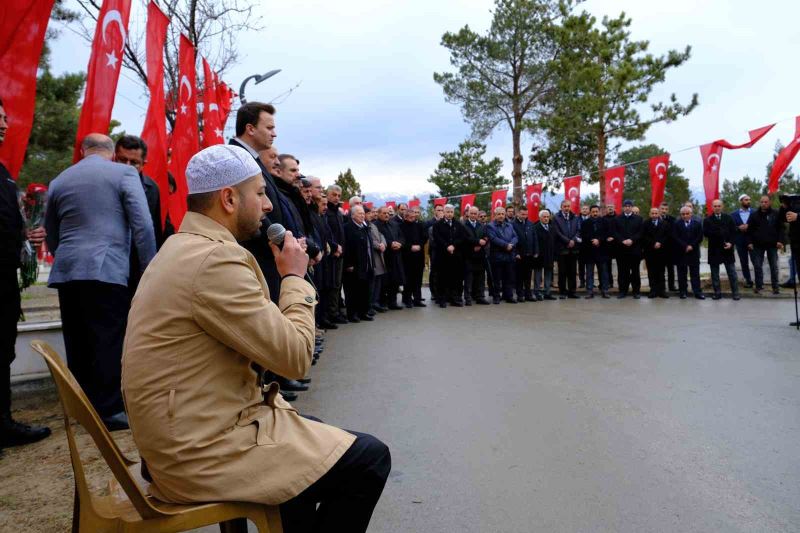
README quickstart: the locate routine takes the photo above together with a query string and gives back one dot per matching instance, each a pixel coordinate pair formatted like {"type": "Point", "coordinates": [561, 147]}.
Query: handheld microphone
{"type": "Point", "coordinates": [275, 234]}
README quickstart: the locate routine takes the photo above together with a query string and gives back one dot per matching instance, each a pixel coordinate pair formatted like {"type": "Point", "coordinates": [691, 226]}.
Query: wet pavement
{"type": "Point", "coordinates": [576, 416]}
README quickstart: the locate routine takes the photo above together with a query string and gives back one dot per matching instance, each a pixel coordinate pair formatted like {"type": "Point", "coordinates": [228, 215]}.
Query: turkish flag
{"type": "Point", "coordinates": [22, 28]}
{"type": "Point", "coordinates": [712, 159]}
{"type": "Point", "coordinates": [658, 178]}
{"type": "Point", "coordinates": [154, 131]}
{"type": "Point", "coordinates": [615, 186]}
{"type": "Point", "coordinates": [369, 205]}
{"type": "Point", "coordinates": [225, 102]}
{"type": "Point", "coordinates": [212, 132]}
{"type": "Point", "coordinates": [467, 201]}
{"type": "Point", "coordinates": [184, 135]}
{"type": "Point", "coordinates": [784, 158]}
{"type": "Point", "coordinates": [414, 202]}
{"type": "Point", "coordinates": [103, 71]}
{"type": "Point", "coordinates": [439, 201]}
{"type": "Point", "coordinates": [346, 207]}
{"type": "Point", "coordinates": [498, 200]}
{"type": "Point", "coordinates": [533, 199]}
{"type": "Point", "coordinates": [755, 136]}
{"type": "Point", "coordinates": [392, 204]}
{"type": "Point", "coordinates": [572, 192]}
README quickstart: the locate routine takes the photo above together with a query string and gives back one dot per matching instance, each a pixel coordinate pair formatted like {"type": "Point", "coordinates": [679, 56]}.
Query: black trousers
{"type": "Point", "coordinates": [567, 270]}
{"type": "Point", "coordinates": [628, 266]}
{"type": "Point", "coordinates": [474, 281]}
{"type": "Point", "coordinates": [450, 275]}
{"type": "Point", "coordinates": [503, 275]}
{"type": "Point", "coordinates": [333, 294]}
{"type": "Point", "coordinates": [343, 499]}
{"type": "Point", "coordinates": [523, 270]}
{"type": "Point", "coordinates": [356, 293]}
{"type": "Point", "coordinates": [610, 270]}
{"type": "Point", "coordinates": [670, 265]}
{"type": "Point", "coordinates": [94, 316]}
{"type": "Point", "coordinates": [414, 266]}
{"type": "Point", "coordinates": [582, 270]}
{"type": "Point", "coordinates": [656, 265]}
{"type": "Point", "coordinates": [9, 316]}
{"type": "Point", "coordinates": [693, 267]}
{"type": "Point", "coordinates": [433, 276]}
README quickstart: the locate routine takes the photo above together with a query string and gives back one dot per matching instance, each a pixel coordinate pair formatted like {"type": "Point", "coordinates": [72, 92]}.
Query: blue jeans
{"type": "Point", "coordinates": [758, 266]}
{"type": "Point", "coordinates": [602, 274]}
{"type": "Point", "coordinates": [745, 258]}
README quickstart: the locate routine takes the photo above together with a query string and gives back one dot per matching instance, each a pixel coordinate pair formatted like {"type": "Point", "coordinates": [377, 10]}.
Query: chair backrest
{"type": "Point", "coordinates": [77, 406]}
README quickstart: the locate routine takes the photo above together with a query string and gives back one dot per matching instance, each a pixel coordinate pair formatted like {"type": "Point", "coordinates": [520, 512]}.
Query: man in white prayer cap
{"type": "Point", "coordinates": [201, 333]}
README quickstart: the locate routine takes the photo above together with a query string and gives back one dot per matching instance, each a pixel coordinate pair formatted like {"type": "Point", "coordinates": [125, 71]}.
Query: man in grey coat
{"type": "Point", "coordinates": [94, 208]}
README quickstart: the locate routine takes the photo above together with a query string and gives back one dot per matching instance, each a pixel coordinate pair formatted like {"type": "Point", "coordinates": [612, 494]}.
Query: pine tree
{"type": "Point", "coordinates": [350, 187]}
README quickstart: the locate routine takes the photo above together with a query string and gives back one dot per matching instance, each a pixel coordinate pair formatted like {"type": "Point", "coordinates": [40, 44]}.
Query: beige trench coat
{"type": "Point", "coordinates": [200, 320]}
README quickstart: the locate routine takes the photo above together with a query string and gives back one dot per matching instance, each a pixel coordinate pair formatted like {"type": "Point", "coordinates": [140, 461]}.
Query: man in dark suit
{"type": "Point", "coordinates": [670, 255]}
{"type": "Point", "coordinates": [583, 217]}
{"type": "Point", "coordinates": [594, 232]}
{"type": "Point", "coordinates": [413, 254]}
{"type": "Point", "coordinates": [688, 235]}
{"type": "Point", "coordinates": [721, 232]}
{"type": "Point", "coordinates": [95, 210]}
{"type": "Point", "coordinates": [12, 238]}
{"type": "Point", "coordinates": [543, 265]}
{"type": "Point", "coordinates": [627, 233]}
{"type": "Point", "coordinates": [475, 244]}
{"type": "Point", "coordinates": [610, 215]}
{"type": "Point", "coordinates": [656, 248]}
{"type": "Point", "coordinates": [335, 220]}
{"type": "Point", "coordinates": [358, 269]}
{"type": "Point", "coordinates": [765, 236]}
{"type": "Point", "coordinates": [568, 239]}
{"type": "Point", "coordinates": [255, 132]}
{"type": "Point", "coordinates": [131, 150]}
{"type": "Point", "coordinates": [449, 236]}
{"type": "Point", "coordinates": [741, 217]}
{"type": "Point", "coordinates": [393, 258]}
{"type": "Point", "coordinates": [527, 250]}
{"type": "Point", "coordinates": [503, 241]}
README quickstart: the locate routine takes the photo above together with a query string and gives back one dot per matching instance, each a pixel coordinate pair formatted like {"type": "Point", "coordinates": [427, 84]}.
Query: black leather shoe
{"type": "Point", "coordinates": [482, 301]}
{"type": "Point", "coordinates": [683, 296]}
{"type": "Point", "coordinates": [562, 297]}
{"type": "Point", "coordinates": [637, 296]}
{"type": "Point", "coordinates": [353, 319]}
{"type": "Point", "coordinates": [289, 396]}
{"type": "Point", "coordinates": [328, 325]}
{"type": "Point", "coordinates": [748, 284]}
{"type": "Point", "coordinates": [468, 303]}
{"type": "Point", "coordinates": [539, 297]}
{"type": "Point", "coordinates": [776, 290]}
{"type": "Point", "coordinates": [339, 320]}
{"type": "Point", "coordinates": [605, 296]}
{"type": "Point", "coordinates": [652, 295]}
{"type": "Point", "coordinates": [13, 433]}
{"type": "Point", "coordinates": [736, 297]}
{"type": "Point", "coordinates": [443, 305]}
{"type": "Point", "coordinates": [292, 385]}
{"type": "Point", "coordinates": [700, 296]}
{"type": "Point", "coordinates": [572, 296]}
{"type": "Point", "coordinates": [366, 318]}
{"type": "Point", "coordinates": [621, 296]}
{"type": "Point", "coordinates": [530, 298]}
{"type": "Point", "coordinates": [116, 422]}
{"type": "Point", "coordinates": [550, 297]}
{"type": "Point", "coordinates": [408, 305]}
{"type": "Point", "coordinates": [496, 301]}
{"type": "Point", "coordinates": [664, 295]}
{"type": "Point", "coordinates": [589, 296]}
{"type": "Point", "coordinates": [380, 308]}
{"type": "Point", "coordinates": [371, 313]}
{"type": "Point", "coordinates": [420, 304]}
{"type": "Point", "coordinates": [457, 303]}
{"type": "Point", "coordinates": [304, 381]}
{"type": "Point", "coordinates": [511, 301]}
{"type": "Point", "coordinates": [394, 307]}
{"type": "Point", "coordinates": [716, 297]}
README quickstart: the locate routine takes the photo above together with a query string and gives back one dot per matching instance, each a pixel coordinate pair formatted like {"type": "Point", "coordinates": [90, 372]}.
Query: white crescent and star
{"type": "Point", "coordinates": [536, 196]}
{"type": "Point", "coordinates": [611, 183]}
{"type": "Point", "coordinates": [569, 192]}
{"type": "Point", "coordinates": [498, 202]}
{"type": "Point", "coordinates": [661, 175]}
{"type": "Point", "coordinates": [713, 166]}
{"type": "Point", "coordinates": [213, 107]}
{"type": "Point", "coordinates": [184, 81]}
{"type": "Point", "coordinates": [113, 16]}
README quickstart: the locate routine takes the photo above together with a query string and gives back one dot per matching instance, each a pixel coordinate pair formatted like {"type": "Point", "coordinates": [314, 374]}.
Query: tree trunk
{"type": "Point", "coordinates": [601, 164]}
{"type": "Point", "coordinates": [516, 173]}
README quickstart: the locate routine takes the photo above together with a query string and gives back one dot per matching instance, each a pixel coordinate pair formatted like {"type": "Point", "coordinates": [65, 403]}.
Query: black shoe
{"type": "Point", "coordinates": [468, 303]}
{"type": "Point", "coordinates": [748, 284]}
{"type": "Point", "coordinates": [304, 381]}
{"type": "Point", "coordinates": [788, 285]}
{"type": "Point", "coordinates": [673, 289]}
{"type": "Point", "coordinates": [589, 296]}
{"type": "Point", "coordinates": [664, 295]}
{"type": "Point", "coordinates": [393, 307]}
{"type": "Point", "coordinates": [652, 295]}
{"type": "Point", "coordinates": [700, 296]}
{"type": "Point", "coordinates": [717, 297]}
{"type": "Point", "coordinates": [292, 385]}
{"type": "Point", "coordinates": [366, 318]}
{"type": "Point", "coordinates": [353, 319]}
{"type": "Point", "coordinates": [572, 296]}
{"type": "Point", "coordinates": [420, 304]}
{"type": "Point", "coordinates": [605, 296]}
{"type": "Point", "coordinates": [482, 301]}
{"type": "Point", "coordinates": [496, 301]}
{"type": "Point", "coordinates": [776, 290]}
{"type": "Point", "coordinates": [550, 297]}
{"type": "Point", "coordinates": [530, 298]}
{"type": "Point", "coordinates": [443, 305]}
{"type": "Point", "coordinates": [380, 308]}
{"type": "Point", "coordinates": [13, 433]}
{"type": "Point", "coordinates": [289, 396]}
{"type": "Point", "coordinates": [757, 290]}
{"type": "Point", "coordinates": [736, 297]}
{"type": "Point", "coordinates": [408, 305]}
{"type": "Point", "coordinates": [328, 325]}
{"type": "Point", "coordinates": [637, 296]}
{"type": "Point", "coordinates": [511, 300]}
{"type": "Point", "coordinates": [562, 296]}
{"type": "Point", "coordinates": [683, 296]}
{"type": "Point", "coordinates": [621, 296]}
{"type": "Point", "coordinates": [116, 422]}
{"type": "Point", "coordinates": [339, 320]}
{"type": "Point", "coordinates": [370, 313]}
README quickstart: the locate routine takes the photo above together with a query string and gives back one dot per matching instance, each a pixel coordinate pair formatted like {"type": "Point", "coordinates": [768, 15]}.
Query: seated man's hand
{"type": "Point", "coordinates": [292, 259]}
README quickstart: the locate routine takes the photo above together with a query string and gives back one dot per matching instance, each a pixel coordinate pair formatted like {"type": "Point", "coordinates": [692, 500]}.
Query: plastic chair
{"type": "Point", "coordinates": [132, 508]}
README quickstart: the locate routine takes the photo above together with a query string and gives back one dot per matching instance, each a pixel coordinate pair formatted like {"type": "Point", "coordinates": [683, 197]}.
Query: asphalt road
{"type": "Point", "coordinates": [576, 416]}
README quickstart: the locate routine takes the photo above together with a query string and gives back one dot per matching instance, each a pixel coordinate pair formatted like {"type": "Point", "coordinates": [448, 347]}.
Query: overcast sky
{"type": "Point", "coordinates": [367, 99]}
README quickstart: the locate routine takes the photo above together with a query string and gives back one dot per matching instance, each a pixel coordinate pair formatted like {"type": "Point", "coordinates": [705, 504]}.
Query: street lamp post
{"type": "Point", "coordinates": [259, 78]}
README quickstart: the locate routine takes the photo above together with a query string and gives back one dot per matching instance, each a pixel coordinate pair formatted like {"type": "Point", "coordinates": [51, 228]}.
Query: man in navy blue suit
{"type": "Point", "coordinates": [741, 217]}
{"type": "Point", "coordinates": [688, 235]}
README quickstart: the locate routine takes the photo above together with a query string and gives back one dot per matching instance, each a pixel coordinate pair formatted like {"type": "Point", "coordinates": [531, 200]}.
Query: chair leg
{"type": "Point", "coordinates": [237, 525]}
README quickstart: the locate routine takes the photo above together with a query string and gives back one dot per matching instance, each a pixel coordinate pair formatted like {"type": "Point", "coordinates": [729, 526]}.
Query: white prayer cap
{"type": "Point", "coordinates": [744, 196]}
{"type": "Point", "coordinates": [218, 166]}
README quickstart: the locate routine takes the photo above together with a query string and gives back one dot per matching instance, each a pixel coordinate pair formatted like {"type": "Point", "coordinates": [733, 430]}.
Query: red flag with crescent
{"type": "Point", "coordinates": [755, 136]}
{"type": "Point", "coordinates": [658, 178]}
{"type": "Point", "coordinates": [533, 199]}
{"type": "Point", "coordinates": [615, 186]}
{"type": "Point", "coordinates": [414, 202]}
{"type": "Point", "coordinates": [184, 136]}
{"type": "Point", "coordinates": [225, 101]}
{"type": "Point", "coordinates": [440, 201]}
{"type": "Point", "coordinates": [467, 201]}
{"type": "Point", "coordinates": [499, 199]}
{"type": "Point", "coordinates": [22, 28]}
{"type": "Point", "coordinates": [154, 131]}
{"type": "Point", "coordinates": [391, 204]}
{"type": "Point", "coordinates": [712, 159]}
{"type": "Point", "coordinates": [784, 158]}
{"type": "Point", "coordinates": [572, 192]}
{"type": "Point", "coordinates": [212, 131]}
{"type": "Point", "coordinates": [102, 73]}
{"type": "Point", "coordinates": [346, 207]}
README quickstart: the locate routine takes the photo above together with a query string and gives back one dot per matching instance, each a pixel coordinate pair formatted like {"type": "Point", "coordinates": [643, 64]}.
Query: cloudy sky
{"type": "Point", "coordinates": [367, 99]}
